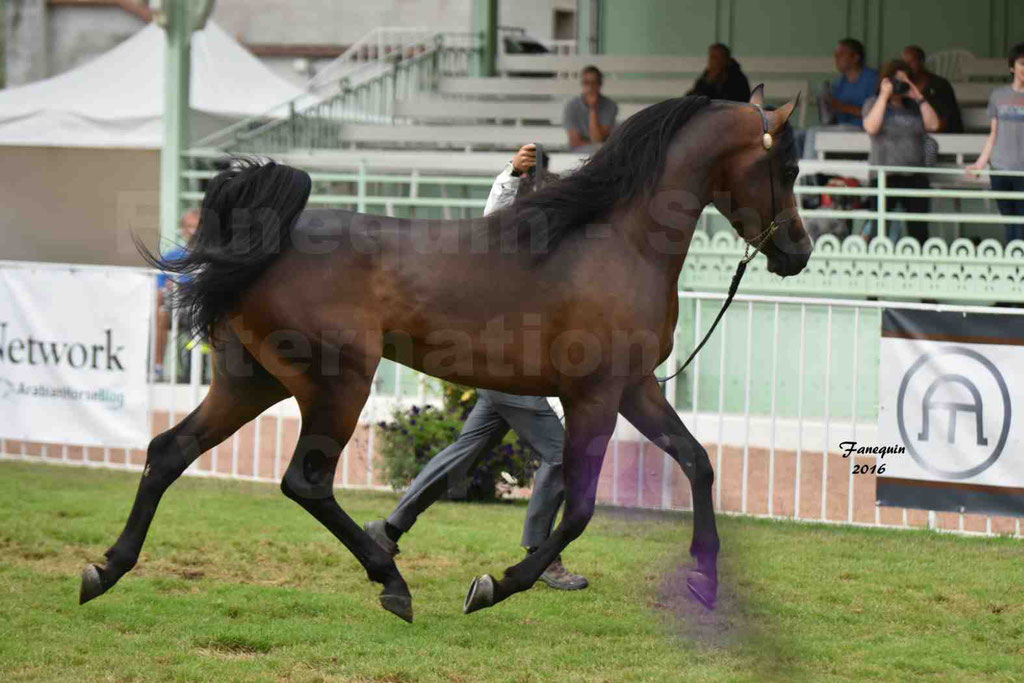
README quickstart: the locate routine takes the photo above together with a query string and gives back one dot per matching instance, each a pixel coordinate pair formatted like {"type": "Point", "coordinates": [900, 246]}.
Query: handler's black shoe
{"type": "Point", "coordinates": [376, 531]}
{"type": "Point", "coordinates": [558, 577]}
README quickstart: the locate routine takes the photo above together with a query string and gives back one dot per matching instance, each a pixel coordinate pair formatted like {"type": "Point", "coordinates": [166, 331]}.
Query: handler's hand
{"type": "Point", "coordinates": [525, 158]}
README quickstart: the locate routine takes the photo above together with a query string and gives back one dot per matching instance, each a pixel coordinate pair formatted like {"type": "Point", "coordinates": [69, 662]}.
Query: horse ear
{"type": "Point", "coordinates": [782, 114]}
{"type": "Point", "coordinates": [757, 95]}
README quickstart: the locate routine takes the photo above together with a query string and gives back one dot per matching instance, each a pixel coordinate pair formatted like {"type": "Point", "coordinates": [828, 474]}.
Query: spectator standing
{"type": "Point", "coordinates": [723, 79]}
{"type": "Point", "coordinates": [936, 89]}
{"type": "Point", "coordinates": [164, 291]}
{"type": "Point", "coordinates": [898, 119]}
{"type": "Point", "coordinates": [1005, 145]}
{"type": "Point", "coordinates": [588, 118]}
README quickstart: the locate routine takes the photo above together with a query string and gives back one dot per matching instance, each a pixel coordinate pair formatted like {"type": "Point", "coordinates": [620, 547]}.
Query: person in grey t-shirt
{"type": "Point", "coordinates": [588, 118]}
{"type": "Point", "coordinates": [1005, 145]}
{"type": "Point", "coordinates": [898, 120]}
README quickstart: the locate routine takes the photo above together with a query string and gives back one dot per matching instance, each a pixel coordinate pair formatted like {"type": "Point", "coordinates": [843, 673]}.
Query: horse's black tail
{"type": "Point", "coordinates": [246, 219]}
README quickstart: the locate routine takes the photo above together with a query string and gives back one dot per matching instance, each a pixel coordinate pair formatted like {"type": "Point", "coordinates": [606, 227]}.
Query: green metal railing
{"type": "Point", "coordinates": [977, 271]}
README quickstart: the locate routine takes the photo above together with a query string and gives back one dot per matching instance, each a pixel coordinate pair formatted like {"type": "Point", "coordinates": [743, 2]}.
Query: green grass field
{"type": "Point", "coordinates": [238, 583]}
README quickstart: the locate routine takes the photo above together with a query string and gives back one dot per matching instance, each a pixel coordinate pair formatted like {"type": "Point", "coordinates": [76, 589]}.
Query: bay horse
{"type": "Point", "coordinates": [570, 292]}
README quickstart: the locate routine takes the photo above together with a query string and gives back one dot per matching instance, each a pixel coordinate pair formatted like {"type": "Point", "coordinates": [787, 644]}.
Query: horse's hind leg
{"type": "Point", "coordinates": [240, 391]}
{"type": "Point", "coordinates": [328, 419]}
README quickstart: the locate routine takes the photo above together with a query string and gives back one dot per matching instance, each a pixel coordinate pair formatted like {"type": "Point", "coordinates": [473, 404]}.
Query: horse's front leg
{"type": "Point", "coordinates": [645, 406]}
{"type": "Point", "coordinates": [589, 425]}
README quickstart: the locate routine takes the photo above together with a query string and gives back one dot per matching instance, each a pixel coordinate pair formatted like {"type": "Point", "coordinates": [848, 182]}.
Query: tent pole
{"type": "Point", "coordinates": [178, 22]}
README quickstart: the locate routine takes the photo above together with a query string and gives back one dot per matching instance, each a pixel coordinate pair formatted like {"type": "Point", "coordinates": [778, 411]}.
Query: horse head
{"type": "Point", "coordinates": [754, 185]}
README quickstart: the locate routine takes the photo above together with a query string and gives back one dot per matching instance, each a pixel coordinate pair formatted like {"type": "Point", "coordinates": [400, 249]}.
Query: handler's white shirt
{"type": "Point", "coordinates": [503, 193]}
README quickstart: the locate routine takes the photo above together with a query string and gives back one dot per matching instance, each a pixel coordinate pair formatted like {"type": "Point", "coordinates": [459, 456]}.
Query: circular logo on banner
{"type": "Point", "coordinates": [953, 412]}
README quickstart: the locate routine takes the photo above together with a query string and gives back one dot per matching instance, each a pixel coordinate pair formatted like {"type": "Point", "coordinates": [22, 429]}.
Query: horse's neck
{"type": "Point", "coordinates": [668, 220]}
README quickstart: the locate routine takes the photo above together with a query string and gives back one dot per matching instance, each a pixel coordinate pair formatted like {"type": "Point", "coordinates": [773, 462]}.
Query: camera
{"type": "Point", "coordinates": [900, 87]}
{"type": "Point", "coordinates": [536, 177]}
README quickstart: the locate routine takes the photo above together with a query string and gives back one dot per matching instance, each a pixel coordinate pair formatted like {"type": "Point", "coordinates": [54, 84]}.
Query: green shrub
{"type": "Point", "coordinates": [413, 436]}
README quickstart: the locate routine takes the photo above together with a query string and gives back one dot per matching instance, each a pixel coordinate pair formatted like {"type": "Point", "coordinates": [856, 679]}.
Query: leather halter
{"type": "Point", "coordinates": [767, 142]}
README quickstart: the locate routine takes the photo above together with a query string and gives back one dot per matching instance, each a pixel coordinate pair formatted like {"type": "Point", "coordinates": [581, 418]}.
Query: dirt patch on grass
{"type": "Point", "coordinates": [430, 562]}
{"type": "Point", "coordinates": [232, 647]}
{"type": "Point", "coordinates": [44, 559]}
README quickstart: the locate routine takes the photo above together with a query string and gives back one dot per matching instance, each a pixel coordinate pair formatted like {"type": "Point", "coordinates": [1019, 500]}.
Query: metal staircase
{"type": "Point", "coordinates": [361, 85]}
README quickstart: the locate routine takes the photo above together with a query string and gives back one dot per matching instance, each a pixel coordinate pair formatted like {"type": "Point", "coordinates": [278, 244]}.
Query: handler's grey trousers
{"type": "Point", "coordinates": [494, 413]}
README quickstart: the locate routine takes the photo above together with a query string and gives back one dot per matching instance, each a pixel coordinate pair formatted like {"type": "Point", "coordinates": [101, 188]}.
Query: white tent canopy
{"type": "Point", "coordinates": [117, 99]}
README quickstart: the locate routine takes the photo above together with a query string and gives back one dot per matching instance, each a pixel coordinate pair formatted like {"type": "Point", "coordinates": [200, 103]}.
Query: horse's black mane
{"type": "Point", "coordinates": [629, 162]}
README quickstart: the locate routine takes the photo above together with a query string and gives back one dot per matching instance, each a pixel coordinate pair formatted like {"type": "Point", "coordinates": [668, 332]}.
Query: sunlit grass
{"type": "Point", "coordinates": [238, 583]}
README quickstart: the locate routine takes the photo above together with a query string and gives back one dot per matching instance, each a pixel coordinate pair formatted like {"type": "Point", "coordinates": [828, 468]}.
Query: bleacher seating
{"type": "Point", "coordinates": [526, 101]}
{"type": "Point", "coordinates": [457, 136]}
{"type": "Point", "coordinates": [533, 89]}
{"type": "Point", "coordinates": [956, 147]}
{"type": "Point", "coordinates": [436, 109]}
{"type": "Point", "coordinates": [427, 162]}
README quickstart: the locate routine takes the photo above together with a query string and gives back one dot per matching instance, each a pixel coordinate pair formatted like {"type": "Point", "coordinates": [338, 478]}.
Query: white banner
{"type": "Point", "coordinates": [951, 391]}
{"type": "Point", "coordinates": [74, 345]}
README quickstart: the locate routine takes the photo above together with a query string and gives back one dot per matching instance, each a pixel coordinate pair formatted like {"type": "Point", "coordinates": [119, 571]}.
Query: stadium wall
{"type": "Point", "coordinates": [799, 28]}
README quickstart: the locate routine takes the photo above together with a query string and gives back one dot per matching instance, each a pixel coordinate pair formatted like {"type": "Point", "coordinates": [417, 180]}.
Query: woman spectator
{"type": "Point", "coordinates": [898, 119]}
{"type": "Point", "coordinates": [1005, 146]}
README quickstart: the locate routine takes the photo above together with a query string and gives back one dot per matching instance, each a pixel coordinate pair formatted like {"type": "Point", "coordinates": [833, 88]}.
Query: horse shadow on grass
{"type": "Point", "coordinates": [741, 623]}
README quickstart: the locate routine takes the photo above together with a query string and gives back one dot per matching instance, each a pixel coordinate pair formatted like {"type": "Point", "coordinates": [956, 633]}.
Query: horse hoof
{"type": "Point", "coordinates": [399, 605]}
{"type": "Point", "coordinates": [92, 584]}
{"type": "Point", "coordinates": [481, 594]}
{"type": "Point", "coordinates": [703, 588]}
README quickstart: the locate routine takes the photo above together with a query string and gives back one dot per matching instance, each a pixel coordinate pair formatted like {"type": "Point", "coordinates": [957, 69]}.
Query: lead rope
{"type": "Point", "coordinates": [748, 256]}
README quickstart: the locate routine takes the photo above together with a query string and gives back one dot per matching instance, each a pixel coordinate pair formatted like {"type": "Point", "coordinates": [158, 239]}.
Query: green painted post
{"type": "Point", "coordinates": [176, 115]}
{"type": "Point", "coordinates": [881, 203]}
{"type": "Point", "coordinates": [291, 124]}
{"type": "Point", "coordinates": [3, 43]}
{"type": "Point", "coordinates": [361, 188]}
{"type": "Point", "coordinates": [587, 39]}
{"type": "Point", "coordinates": [485, 25]}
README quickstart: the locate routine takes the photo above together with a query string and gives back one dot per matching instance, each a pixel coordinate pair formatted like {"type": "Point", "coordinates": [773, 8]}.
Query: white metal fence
{"type": "Point", "coordinates": [770, 460]}
{"type": "Point", "coordinates": [821, 485]}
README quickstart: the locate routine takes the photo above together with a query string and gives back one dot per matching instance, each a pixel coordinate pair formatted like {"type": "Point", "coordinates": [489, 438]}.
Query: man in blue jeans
{"type": "Point", "coordinates": [493, 415]}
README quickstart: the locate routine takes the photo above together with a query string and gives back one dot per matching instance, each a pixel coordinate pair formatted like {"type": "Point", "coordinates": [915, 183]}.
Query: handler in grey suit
{"type": "Point", "coordinates": [493, 415]}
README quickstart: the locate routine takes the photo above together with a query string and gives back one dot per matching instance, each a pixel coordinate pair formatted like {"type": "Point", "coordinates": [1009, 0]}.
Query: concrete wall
{"type": "Point", "coordinates": [333, 21]}
{"type": "Point", "coordinates": [77, 205]}
{"type": "Point", "coordinates": [25, 40]}
{"type": "Point", "coordinates": [809, 27]}
{"type": "Point", "coordinates": [77, 34]}
{"type": "Point", "coordinates": [43, 40]}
